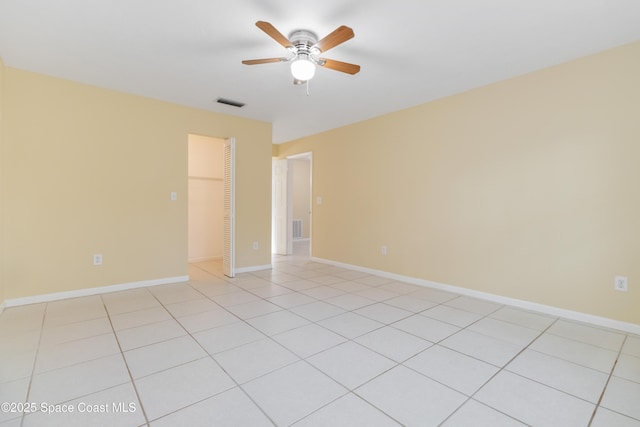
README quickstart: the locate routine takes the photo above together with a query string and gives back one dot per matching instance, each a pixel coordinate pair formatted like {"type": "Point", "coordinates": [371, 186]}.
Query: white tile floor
{"type": "Point", "coordinates": [308, 344]}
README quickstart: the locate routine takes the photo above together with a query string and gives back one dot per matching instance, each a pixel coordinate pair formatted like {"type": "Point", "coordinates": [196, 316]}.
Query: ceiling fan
{"type": "Point", "coordinates": [306, 50]}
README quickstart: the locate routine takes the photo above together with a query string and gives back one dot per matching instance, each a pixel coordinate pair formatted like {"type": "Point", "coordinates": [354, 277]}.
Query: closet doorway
{"type": "Point", "coordinates": [206, 199]}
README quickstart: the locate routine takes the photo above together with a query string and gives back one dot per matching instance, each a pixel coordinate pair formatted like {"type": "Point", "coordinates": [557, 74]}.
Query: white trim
{"type": "Point", "coordinates": [92, 291]}
{"type": "Point", "coordinates": [527, 305]}
{"type": "Point", "coordinates": [254, 268]}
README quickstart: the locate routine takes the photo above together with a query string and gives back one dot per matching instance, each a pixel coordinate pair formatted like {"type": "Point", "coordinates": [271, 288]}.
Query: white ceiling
{"type": "Point", "coordinates": [411, 51]}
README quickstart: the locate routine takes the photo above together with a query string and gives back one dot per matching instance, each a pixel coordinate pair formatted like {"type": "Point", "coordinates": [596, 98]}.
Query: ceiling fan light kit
{"type": "Point", "coordinates": [302, 68]}
{"type": "Point", "coordinates": [306, 48]}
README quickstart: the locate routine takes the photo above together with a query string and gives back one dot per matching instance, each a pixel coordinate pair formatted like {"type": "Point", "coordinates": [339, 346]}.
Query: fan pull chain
{"type": "Point", "coordinates": [307, 87]}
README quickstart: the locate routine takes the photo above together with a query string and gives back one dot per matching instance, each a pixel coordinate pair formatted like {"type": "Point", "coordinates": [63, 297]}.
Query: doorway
{"type": "Point", "coordinates": [209, 181]}
{"type": "Point", "coordinates": [291, 205]}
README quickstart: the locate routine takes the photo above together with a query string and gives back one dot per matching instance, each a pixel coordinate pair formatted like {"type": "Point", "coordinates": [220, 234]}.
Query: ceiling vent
{"type": "Point", "coordinates": [230, 102]}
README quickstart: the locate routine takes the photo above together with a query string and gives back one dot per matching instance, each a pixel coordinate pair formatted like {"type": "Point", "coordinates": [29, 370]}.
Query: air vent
{"type": "Point", "coordinates": [230, 102]}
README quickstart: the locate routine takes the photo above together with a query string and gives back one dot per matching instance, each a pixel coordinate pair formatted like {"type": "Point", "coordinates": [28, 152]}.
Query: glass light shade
{"type": "Point", "coordinates": [303, 69]}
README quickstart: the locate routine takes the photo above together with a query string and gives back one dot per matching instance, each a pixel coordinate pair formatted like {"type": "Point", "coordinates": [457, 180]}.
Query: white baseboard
{"type": "Point", "coordinates": [92, 291]}
{"type": "Point", "coordinates": [527, 305]}
{"type": "Point", "coordinates": [253, 268]}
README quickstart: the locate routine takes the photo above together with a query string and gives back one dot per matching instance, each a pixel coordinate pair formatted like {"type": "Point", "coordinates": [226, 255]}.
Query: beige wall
{"type": "Point", "coordinates": [527, 188]}
{"type": "Point", "coordinates": [88, 170]}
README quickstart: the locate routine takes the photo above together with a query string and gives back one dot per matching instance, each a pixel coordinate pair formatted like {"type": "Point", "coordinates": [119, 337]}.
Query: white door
{"type": "Point", "coordinates": [280, 224]}
{"type": "Point", "coordinates": [228, 254]}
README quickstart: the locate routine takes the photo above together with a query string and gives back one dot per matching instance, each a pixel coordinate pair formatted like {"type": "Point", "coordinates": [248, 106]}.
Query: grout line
{"type": "Point", "coordinates": [124, 359]}
{"type": "Point", "coordinates": [305, 359]}
{"type": "Point", "coordinates": [35, 359]}
{"type": "Point", "coordinates": [502, 368]}
{"type": "Point", "coordinates": [42, 329]}
{"type": "Point", "coordinates": [604, 389]}
{"type": "Point", "coordinates": [382, 325]}
{"type": "Point", "coordinates": [211, 356]}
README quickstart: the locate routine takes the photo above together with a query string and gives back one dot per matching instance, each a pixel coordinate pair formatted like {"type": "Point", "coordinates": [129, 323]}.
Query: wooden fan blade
{"type": "Point", "coordinates": [344, 67]}
{"type": "Point", "coordinates": [338, 36]}
{"type": "Point", "coordinates": [274, 34]}
{"type": "Point", "coordinates": [263, 61]}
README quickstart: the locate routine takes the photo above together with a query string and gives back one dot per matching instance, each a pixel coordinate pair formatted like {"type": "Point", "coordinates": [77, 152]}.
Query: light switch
{"type": "Point", "coordinates": [174, 196]}
{"type": "Point", "coordinates": [319, 200]}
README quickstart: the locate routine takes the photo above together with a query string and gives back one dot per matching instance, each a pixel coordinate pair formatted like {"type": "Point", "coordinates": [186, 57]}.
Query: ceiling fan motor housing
{"type": "Point", "coordinates": [303, 41]}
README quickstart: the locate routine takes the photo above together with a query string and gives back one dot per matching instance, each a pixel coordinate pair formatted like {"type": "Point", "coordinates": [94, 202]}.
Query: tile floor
{"type": "Point", "coordinates": [308, 344]}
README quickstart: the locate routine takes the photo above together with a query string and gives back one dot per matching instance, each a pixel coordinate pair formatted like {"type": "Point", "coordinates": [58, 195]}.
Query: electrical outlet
{"type": "Point", "coordinates": [383, 250]}
{"type": "Point", "coordinates": [97, 259]}
{"type": "Point", "coordinates": [255, 246]}
{"type": "Point", "coordinates": [621, 284]}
